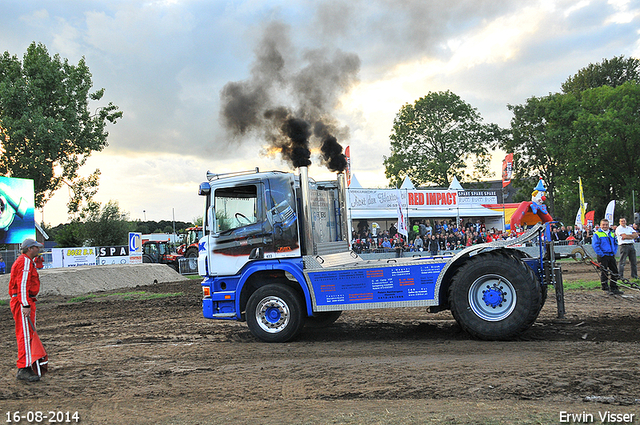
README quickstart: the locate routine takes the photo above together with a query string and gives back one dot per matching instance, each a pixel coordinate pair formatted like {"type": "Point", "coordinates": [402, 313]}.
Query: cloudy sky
{"type": "Point", "coordinates": [176, 69]}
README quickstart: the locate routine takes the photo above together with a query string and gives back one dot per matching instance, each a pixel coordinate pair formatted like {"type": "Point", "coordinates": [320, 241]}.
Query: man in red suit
{"type": "Point", "coordinates": [24, 286]}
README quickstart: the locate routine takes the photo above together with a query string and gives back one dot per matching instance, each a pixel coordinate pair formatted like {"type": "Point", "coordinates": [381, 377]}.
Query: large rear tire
{"type": "Point", "coordinates": [275, 313]}
{"type": "Point", "coordinates": [495, 296]}
{"type": "Point", "coordinates": [191, 252]}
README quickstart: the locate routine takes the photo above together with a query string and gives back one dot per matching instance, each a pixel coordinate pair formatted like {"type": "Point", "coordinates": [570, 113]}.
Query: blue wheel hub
{"type": "Point", "coordinates": [273, 315]}
{"type": "Point", "coordinates": [493, 296]}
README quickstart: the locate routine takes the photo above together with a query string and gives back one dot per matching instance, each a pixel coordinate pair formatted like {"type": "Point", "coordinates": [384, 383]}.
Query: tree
{"type": "Point", "coordinates": [541, 132]}
{"type": "Point", "coordinates": [605, 149]}
{"type": "Point", "coordinates": [437, 138]}
{"type": "Point", "coordinates": [49, 131]}
{"type": "Point", "coordinates": [108, 226]}
{"type": "Point", "coordinates": [611, 72]}
{"type": "Point", "coordinates": [69, 235]}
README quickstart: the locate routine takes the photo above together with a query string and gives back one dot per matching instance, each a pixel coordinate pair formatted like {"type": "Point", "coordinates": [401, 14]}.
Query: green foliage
{"type": "Point", "coordinates": [581, 285]}
{"type": "Point", "coordinates": [606, 145]}
{"type": "Point", "coordinates": [611, 72]}
{"type": "Point", "coordinates": [436, 138]}
{"type": "Point", "coordinates": [49, 129]}
{"type": "Point", "coordinates": [101, 226]}
{"type": "Point", "coordinates": [541, 134]}
{"type": "Point", "coordinates": [69, 235]}
{"type": "Point", "coordinates": [146, 227]}
{"type": "Point", "coordinates": [107, 226]}
{"type": "Point", "coordinates": [589, 131]}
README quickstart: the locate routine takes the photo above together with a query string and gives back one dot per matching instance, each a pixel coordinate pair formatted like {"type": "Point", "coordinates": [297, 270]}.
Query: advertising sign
{"type": "Point", "coordinates": [135, 248]}
{"type": "Point", "coordinates": [477, 197]}
{"type": "Point", "coordinates": [74, 257]}
{"type": "Point", "coordinates": [113, 255]}
{"type": "Point", "coordinates": [16, 210]}
{"type": "Point", "coordinates": [376, 285]}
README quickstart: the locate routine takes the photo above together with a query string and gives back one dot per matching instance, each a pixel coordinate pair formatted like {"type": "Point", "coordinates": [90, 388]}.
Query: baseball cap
{"type": "Point", "coordinates": [28, 243]}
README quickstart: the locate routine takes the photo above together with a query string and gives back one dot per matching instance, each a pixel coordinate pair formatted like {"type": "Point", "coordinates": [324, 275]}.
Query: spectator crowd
{"type": "Point", "coordinates": [424, 235]}
{"type": "Point", "coordinates": [439, 236]}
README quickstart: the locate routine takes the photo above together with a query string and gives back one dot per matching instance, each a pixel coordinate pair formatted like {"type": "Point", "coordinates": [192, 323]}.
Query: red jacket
{"type": "Point", "coordinates": [24, 281]}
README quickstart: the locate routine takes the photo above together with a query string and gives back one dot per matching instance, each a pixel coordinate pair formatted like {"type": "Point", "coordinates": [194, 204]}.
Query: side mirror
{"type": "Point", "coordinates": [211, 224]}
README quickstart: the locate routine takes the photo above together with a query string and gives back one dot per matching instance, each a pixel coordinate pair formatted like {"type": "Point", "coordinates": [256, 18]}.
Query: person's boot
{"type": "Point", "coordinates": [27, 374]}
{"type": "Point", "coordinates": [605, 287]}
{"type": "Point", "coordinates": [615, 291]}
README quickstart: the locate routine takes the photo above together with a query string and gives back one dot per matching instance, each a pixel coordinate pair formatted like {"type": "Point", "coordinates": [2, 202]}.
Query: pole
{"type": "Point", "coordinates": [504, 214]}
{"type": "Point", "coordinates": [173, 211]}
{"type": "Point", "coordinates": [633, 196]}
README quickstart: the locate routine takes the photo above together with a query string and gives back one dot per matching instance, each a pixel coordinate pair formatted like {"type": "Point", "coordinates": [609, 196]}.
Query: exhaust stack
{"type": "Point", "coordinates": [307, 231]}
{"type": "Point", "coordinates": [342, 205]}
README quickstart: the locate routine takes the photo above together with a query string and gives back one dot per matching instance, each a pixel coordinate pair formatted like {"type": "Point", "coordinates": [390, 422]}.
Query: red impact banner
{"type": "Point", "coordinates": [507, 169]}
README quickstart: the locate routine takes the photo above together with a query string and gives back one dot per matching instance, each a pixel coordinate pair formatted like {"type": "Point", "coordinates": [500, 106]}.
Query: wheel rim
{"type": "Point", "coordinates": [273, 314]}
{"type": "Point", "coordinates": [492, 297]}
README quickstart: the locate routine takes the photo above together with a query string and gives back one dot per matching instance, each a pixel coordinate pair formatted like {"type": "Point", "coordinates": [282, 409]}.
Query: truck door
{"type": "Point", "coordinates": [238, 228]}
{"type": "Point", "coordinates": [282, 218]}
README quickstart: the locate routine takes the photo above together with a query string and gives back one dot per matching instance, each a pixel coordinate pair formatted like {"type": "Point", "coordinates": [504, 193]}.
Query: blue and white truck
{"type": "Point", "coordinates": [275, 253]}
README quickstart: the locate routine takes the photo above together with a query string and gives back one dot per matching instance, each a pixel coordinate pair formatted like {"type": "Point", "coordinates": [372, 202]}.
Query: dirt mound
{"type": "Point", "coordinates": [88, 279]}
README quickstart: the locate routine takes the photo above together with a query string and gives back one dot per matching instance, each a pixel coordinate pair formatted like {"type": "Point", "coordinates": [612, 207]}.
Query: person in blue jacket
{"type": "Point", "coordinates": [605, 244]}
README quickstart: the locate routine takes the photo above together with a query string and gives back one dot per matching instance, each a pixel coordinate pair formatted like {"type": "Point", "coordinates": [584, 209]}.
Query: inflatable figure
{"type": "Point", "coordinates": [532, 212]}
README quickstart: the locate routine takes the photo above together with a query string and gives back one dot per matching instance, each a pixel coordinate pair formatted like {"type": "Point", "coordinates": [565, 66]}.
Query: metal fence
{"type": "Point", "coordinates": [9, 257]}
{"type": "Point", "coordinates": [564, 248]}
{"type": "Point", "coordinates": [188, 266]}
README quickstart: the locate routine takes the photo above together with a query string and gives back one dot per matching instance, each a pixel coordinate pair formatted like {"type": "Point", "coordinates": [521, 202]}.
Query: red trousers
{"type": "Point", "coordinates": [23, 331]}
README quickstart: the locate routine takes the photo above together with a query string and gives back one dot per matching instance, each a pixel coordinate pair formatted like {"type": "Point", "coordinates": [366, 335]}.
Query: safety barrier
{"type": "Point", "coordinates": [188, 266]}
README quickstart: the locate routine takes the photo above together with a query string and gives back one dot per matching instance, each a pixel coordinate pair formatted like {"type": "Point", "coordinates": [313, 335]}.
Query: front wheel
{"type": "Point", "coordinates": [275, 313]}
{"type": "Point", "coordinates": [495, 296]}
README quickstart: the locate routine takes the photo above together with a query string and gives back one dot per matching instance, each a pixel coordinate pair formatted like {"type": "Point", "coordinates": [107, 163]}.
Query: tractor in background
{"type": "Point", "coordinates": [189, 249]}
{"type": "Point", "coordinates": [160, 252]}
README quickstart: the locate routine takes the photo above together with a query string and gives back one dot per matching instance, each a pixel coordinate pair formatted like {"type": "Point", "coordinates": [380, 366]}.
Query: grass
{"type": "Point", "coordinates": [4, 302]}
{"type": "Point", "coordinates": [582, 284]}
{"type": "Point", "coordinates": [138, 295]}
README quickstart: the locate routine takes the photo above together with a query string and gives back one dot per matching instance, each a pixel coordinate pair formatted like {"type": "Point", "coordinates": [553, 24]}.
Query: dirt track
{"type": "Point", "coordinates": [157, 361]}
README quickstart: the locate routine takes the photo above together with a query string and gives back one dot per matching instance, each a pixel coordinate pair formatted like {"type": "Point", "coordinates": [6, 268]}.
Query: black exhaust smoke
{"type": "Point", "coordinates": [332, 156]}
{"type": "Point", "coordinates": [313, 90]}
{"type": "Point", "coordinates": [298, 131]}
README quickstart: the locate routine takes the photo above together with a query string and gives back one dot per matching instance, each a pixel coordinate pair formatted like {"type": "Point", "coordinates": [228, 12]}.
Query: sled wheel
{"type": "Point", "coordinates": [322, 319]}
{"type": "Point", "coordinates": [274, 313]}
{"type": "Point", "coordinates": [495, 296]}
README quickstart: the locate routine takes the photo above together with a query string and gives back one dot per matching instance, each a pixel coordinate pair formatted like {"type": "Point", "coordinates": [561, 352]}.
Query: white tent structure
{"type": "Point", "coordinates": [355, 184]}
{"type": "Point", "coordinates": [455, 184]}
{"type": "Point", "coordinates": [407, 184]}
